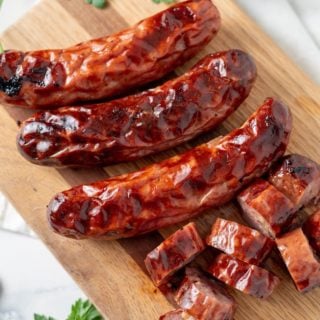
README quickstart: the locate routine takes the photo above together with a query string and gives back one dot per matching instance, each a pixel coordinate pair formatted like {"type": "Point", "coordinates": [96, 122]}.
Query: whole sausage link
{"type": "Point", "coordinates": [141, 124]}
{"type": "Point", "coordinates": [111, 65]}
{"type": "Point", "coordinates": [178, 188]}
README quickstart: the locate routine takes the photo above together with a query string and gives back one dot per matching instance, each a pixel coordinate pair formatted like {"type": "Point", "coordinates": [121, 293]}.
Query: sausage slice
{"type": "Point", "coordinates": [203, 298]}
{"type": "Point", "coordinates": [178, 314]}
{"type": "Point", "coordinates": [245, 277]}
{"type": "Point", "coordinates": [239, 241]}
{"type": "Point", "coordinates": [302, 264]}
{"type": "Point", "coordinates": [174, 253]}
{"type": "Point", "coordinates": [312, 230]}
{"type": "Point", "coordinates": [298, 177]}
{"type": "Point", "coordinates": [266, 208]}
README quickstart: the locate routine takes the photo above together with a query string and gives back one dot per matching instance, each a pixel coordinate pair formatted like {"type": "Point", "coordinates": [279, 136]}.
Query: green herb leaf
{"type": "Point", "coordinates": [84, 310]}
{"type": "Point", "coordinates": [99, 3]}
{"type": "Point", "coordinates": [88, 1]}
{"type": "Point", "coordinates": [41, 317]}
{"type": "Point", "coordinates": [164, 1]}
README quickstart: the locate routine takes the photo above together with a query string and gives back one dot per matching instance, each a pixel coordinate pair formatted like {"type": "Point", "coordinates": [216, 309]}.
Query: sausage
{"type": "Point", "coordinates": [239, 241]}
{"type": "Point", "coordinates": [245, 277]}
{"type": "Point", "coordinates": [111, 65]}
{"type": "Point", "coordinates": [204, 298]}
{"type": "Point", "coordinates": [312, 230]}
{"type": "Point", "coordinates": [174, 253]}
{"type": "Point", "coordinates": [298, 178]}
{"type": "Point", "coordinates": [178, 314]}
{"type": "Point", "coordinates": [300, 260]}
{"type": "Point", "coordinates": [178, 188]}
{"type": "Point", "coordinates": [144, 123]}
{"type": "Point", "coordinates": [266, 209]}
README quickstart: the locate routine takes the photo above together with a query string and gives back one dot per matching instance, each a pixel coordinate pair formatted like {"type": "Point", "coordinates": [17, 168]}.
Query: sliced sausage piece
{"type": "Point", "coordinates": [105, 67]}
{"type": "Point", "coordinates": [312, 230]}
{"type": "Point", "coordinates": [302, 264]}
{"type": "Point", "coordinates": [239, 241]}
{"type": "Point", "coordinates": [174, 253]}
{"type": "Point", "coordinates": [203, 298]}
{"type": "Point", "coordinates": [298, 177]}
{"type": "Point", "coordinates": [245, 277]}
{"type": "Point", "coordinates": [265, 208]}
{"type": "Point", "coordinates": [178, 314]}
{"type": "Point", "coordinates": [141, 124]}
{"type": "Point", "coordinates": [178, 188]}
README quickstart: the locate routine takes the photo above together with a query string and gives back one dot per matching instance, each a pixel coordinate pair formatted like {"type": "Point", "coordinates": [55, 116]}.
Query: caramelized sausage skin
{"type": "Point", "coordinates": [173, 253]}
{"type": "Point", "coordinates": [141, 124]}
{"type": "Point", "coordinates": [204, 298]}
{"type": "Point", "coordinates": [302, 263]}
{"type": "Point", "coordinates": [265, 208]}
{"type": "Point", "coordinates": [239, 241]}
{"type": "Point", "coordinates": [108, 66]}
{"type": "Point", "coordinates": [176, 189]}
{"type": "Point", "coordinates": [178, 314]}
{"type": "Point", "coordinates": [297, 177]}
{"type": "Point", "coordinates": [248, 278]}
{"type": "Point", "coordinates": [312, 230]}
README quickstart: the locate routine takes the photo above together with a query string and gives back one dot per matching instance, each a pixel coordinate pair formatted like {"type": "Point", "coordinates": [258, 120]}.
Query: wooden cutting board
{"type": "Point", "coordinates": [112, 273]}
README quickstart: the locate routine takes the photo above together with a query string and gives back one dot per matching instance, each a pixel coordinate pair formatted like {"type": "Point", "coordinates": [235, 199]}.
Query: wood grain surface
{"type": "Point", "coordinates": [112, 273]}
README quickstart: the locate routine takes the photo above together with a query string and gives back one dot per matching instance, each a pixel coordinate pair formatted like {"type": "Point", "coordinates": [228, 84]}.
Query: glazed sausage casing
{"type": "Point", "coordinates": [173, 253]}
{"type": "Point", "coordinates": [178, 314]}
{"type": "Point", "coordinates": [239, 241]}
{"type": "Point", "coordinates": [108, 66]}
{"type": "Point", "coordinates": [204, 298]}
{"type": "Point", "coordinates": [302, 263]}
{"type": "Point", "coordinates": [245, 277]}
{"type": "Point", "coordinates": [178, 188]}
{"type": "Point", "coordinates": [265, 208]}
{"type": "Point", "coordinates": [138, 125]}
{"type": "Point", "coordinates": [297, 177]}
{"type": "Point", "coordinates": [312, 230]}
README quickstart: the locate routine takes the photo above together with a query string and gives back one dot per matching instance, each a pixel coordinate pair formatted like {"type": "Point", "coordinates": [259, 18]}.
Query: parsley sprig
{"type": "Point", "coordinates": [164, 1]}
{"type": "Point", "coordinates": [102, 3]}
{"type": "Point", "coordinates": [80, 310]}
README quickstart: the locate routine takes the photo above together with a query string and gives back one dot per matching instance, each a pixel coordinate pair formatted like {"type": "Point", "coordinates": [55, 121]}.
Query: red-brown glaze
{"type": "Point", "coordinates": [245, 277]}
{"type": "Point", "coordinates": [298, 177]}
{"type": "Point", "coordinates": [266, 209]}
{"type": "Point", "coordinates": [239, 241]}
{"type": "Point", "coordinates": [203, 298]}
{"type": "Point", "coordinates": [138, 125]}
{"type": "Point", "coordinates": [312, 230]}
{"type": "Point", "coordinates": [111, 65]}
{"type": "Point", "coordinates": [300, 260]}
{"type": "Point", "coordinates": [176, 189]}
{"type": "Point", "coordinates": [174, 253]}
{"type": "Point", "coordinates": [178, 314]}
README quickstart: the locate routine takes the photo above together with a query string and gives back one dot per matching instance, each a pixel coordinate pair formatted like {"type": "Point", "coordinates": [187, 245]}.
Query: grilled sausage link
{"type": "Point", "coordinates": [111, 65]}
{"type": "Point", "coordinates": [178, 188]}
{"type": "Point", "coordinates": [141, 124]}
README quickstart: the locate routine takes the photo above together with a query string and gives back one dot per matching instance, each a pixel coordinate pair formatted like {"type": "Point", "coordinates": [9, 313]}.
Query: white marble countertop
{"type": "Point", "coordinates": [41, 285]}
